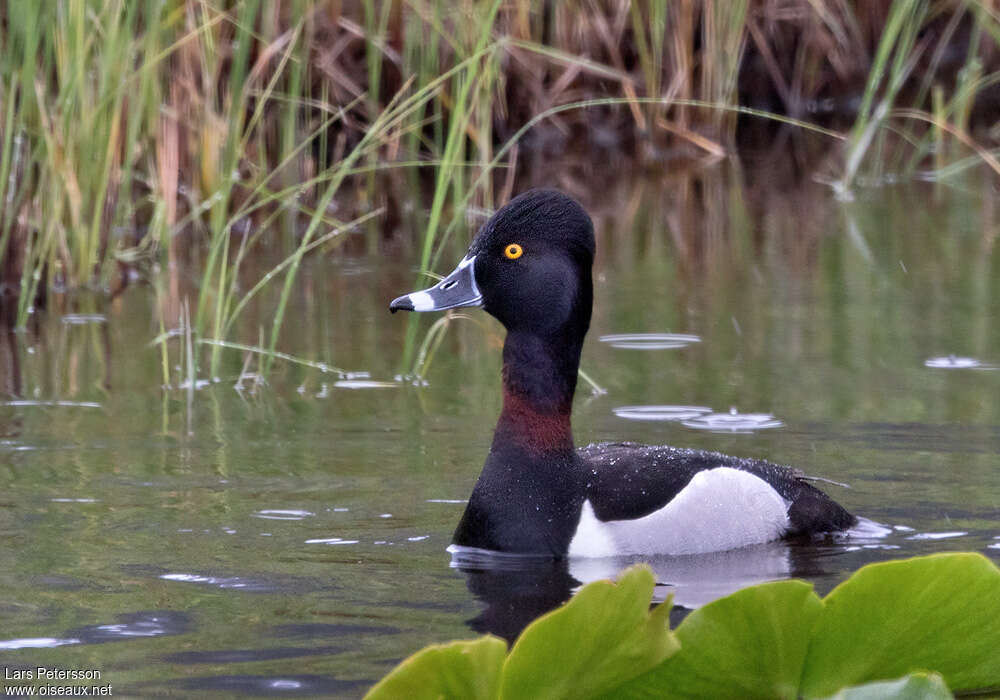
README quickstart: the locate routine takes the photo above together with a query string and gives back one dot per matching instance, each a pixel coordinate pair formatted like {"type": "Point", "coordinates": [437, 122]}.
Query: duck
{"type": "Point", "coordinates": [530, 267]}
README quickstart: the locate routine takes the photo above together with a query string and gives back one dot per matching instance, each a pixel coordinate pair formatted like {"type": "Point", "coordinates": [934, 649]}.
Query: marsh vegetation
{"type": "Point", "coordinates": [206, 149]}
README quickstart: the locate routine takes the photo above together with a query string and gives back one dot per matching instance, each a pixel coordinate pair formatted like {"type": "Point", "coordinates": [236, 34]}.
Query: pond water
{"type": "Point", "coordinates": [290, 539]}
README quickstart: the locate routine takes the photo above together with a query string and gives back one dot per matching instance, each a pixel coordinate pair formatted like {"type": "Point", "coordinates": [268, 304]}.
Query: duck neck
{"type": "Point", "coordinates": [539, 380]}
{"type": "Point", "coordinates": [529, 494]}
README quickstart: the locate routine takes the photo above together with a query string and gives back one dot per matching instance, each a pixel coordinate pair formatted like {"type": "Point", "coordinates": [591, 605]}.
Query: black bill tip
{"type": "Point", "coordinates": [403, 303]}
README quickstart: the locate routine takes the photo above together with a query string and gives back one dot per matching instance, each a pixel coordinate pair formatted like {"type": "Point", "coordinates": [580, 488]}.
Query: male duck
{"type": "Point", "coordinates": [530, 267]}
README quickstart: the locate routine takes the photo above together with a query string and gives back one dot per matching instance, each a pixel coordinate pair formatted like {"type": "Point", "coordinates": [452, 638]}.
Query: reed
{"type": "Point", "coordinates": [179, 139]}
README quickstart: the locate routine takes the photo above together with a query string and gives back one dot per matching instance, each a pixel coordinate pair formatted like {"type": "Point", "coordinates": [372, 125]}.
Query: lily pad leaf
{"type": "Point", "coordinates": [604, 636]}
{"type": "Point", "coordinates": [751, 644]}
{"type": "Point", "coordinates": [934, 613]}
{"type": "Point", "coordinates": [919, 686]}
{"type": "Point", "coordinates": [457, 670]}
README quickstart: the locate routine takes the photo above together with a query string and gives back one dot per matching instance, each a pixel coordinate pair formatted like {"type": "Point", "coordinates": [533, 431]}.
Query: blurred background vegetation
{"type": "Point", "coordinates": [180, 143]}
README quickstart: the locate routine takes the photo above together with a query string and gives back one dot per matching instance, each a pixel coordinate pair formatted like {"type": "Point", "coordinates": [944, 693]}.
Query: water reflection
{"type": "Point", "coordinates": [139, 625]}
{"type": "Point", "coordinates": [10, 362]}
{"type": "Point", "coordinates": [238, 656]}
{"type": "Point", "coordinates": [695, 580]}
{"type": "Point", "coordinates": [272, 686]}
{"type": "Point", "coordinates": [517, 589]}
{"type": "Point", "coordinates": [514, 589]}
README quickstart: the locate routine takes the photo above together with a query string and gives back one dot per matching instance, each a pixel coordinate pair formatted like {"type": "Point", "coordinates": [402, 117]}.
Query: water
{"type": "Point", "coordinates": [289, 539]}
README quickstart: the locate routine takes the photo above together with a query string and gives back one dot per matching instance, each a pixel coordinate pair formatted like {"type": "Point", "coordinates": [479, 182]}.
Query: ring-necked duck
{"type": "Point", "coordinates": [530, 267]}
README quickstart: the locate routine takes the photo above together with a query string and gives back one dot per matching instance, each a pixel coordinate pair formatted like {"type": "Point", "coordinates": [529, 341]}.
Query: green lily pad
{"type": "Point", "coordinates": [879, 631]}
{"type": "Point", "coordinates": [919, 686]}
{"type": "Point", "coordinates": [750, 644]}
{"type": "Point", "coordinates": [936, 613]}
{"type": "Point", "coordinates": [457, 670]}
{"type": "Point", "coordinates": [605, 636]}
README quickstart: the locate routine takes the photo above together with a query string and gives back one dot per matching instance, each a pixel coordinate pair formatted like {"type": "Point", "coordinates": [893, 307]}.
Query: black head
{"type": "Point", "coordinates": [529, 266]}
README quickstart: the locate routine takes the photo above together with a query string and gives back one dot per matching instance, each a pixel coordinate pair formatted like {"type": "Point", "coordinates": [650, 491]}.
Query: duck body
{"type": "Point", "coordinates": [530, 267]}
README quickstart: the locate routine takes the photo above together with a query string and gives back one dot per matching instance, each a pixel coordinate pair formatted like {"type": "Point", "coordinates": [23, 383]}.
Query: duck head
{"type": "Point", "coordinates": [529, 266]}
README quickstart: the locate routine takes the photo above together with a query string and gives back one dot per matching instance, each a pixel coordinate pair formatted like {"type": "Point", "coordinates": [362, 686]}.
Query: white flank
{"type": "Point", "coordinates": [720, 509]}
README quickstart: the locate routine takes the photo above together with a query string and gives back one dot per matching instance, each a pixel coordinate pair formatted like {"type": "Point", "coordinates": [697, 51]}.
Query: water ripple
{"type": "Point", "coordinates": [649, 341]}
{"type": "Point", "coordinates": [661, 413]}
{"type": "Point", "coordinates": [140, 625]}
{"type": "Point", "coordinates": [936, 535]}
{"type": "Point", "coordinates": [35, 643]}
{"type": "Point", "coordinates": [219, 581]}
{"type": "Point", "coordinates": [364, 384]}
{"type": "Point", "coordinates": [270, 686]}
{"type": "Point", "coordinates": [283, 514]}
{"type": "Point", "coordinates": [955, 362]}
{"type": "Point", "coordinates": [34, 403]}
{"type": "Point", "coordinates": [235, 656]}
{"type": "Point", "coordinates": [733, 422]}
{"type": "Point", "coordinates": [83, 319]}
{"type": "Point", "coordinates": [331, 540]}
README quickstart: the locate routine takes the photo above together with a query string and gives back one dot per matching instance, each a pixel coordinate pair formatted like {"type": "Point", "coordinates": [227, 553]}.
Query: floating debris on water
{"type": "Point", "coordinates": [649, 341]}
{"type": "Point", "coordinates": [733, 422]}
{"type": "Point", "coordinates": [331, 540]}
{"type": "Point", "coordinates": [661, 413]}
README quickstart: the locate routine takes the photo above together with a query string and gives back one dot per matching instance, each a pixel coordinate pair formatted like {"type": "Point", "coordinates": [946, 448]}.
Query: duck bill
{"type": "Point", "coordinates": [457, 289]}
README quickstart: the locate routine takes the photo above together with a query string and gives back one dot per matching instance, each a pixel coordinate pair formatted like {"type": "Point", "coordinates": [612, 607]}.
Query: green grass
{"type": "Point", "coordinates": [182, 139]}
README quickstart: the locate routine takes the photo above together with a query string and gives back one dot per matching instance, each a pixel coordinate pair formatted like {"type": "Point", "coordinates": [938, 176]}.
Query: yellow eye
{"type": "Point", "coordinates": [513, 251]}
